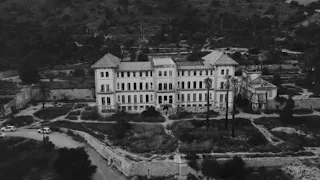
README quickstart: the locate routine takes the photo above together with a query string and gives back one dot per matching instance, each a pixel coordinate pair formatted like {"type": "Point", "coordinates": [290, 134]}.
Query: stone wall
{"type": "Point", "coordinates": [85, 94]}
{"type": "Point", "coordinates": [270, 161]}
{"type": "Point", "coordinates": [20, 101]}
{"type": "Point", "coordinates": [71, 94]}
{"type": "Point", "coordinates": [133, 168]}
{"type": "Point", "coordinates": [299, 103]}
{"type": "Point", "coordinates": [122, 163]}
{"type": "Point", "coordinates": [194, 109]}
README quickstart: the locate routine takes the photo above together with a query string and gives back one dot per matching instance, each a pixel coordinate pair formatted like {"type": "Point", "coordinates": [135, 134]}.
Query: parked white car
{"type": "Point", "coordinates": [2, 135]}
{"type": "Point", "coordinates": [9, 128]}
{"type": "Point", "coordinates": [45, 130]}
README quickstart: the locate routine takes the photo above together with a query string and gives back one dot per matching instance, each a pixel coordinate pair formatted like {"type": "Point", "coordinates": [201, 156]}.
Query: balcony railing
{"type": "Point", "coordinates": [108, 91]}
{"type": "Point", "coordinates": [166, 90]}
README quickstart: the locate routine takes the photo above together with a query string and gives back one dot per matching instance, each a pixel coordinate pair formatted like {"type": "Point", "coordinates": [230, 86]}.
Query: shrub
{"type": "Point", "coordinates": [20, 121]}
{"type": "Point", "coordinates": [302, 111]}
{"type": "Point", "coordinates": [257, 139]}
{"type": "Point", "coordinates": [74, 164]}
{"type": "Point", "coordinates": [150, 112]}
{"type": "Point", "coordinates": [72, 117]}
{"type": "Point", "coordinates": [197, 124]}
{"type": "Point", "coordinates": [171, 157]}
{"type": "Point", "coordinates": [75, 113]}
{"type": "Point", "coordinates": [211, 168]}
{"type": "Point", "coordinates": [249, 110]}
{"type": "Point", "coordinates": [192, 156]}
{"type": "Point", "coordinates": [79, 106]}
{"type": "Point", "coordinates": [53, 112]}
{"type": "Point", "coordinates": [180, 115]}
{"type": "Point", "coordinates": [90, 115]}
{"type": "Point", "coordinates": [265, 71]}
{"type": "Point", "coordinates": [234, 168]}
{"type": "Point", "coordinates": [75, 137]}
{"type": "Point", "coordinates": [155, 119]}
{"type": "Point", "coordinates": [55, 129]}
{"type": "Point", "coordinates": [194, 164]}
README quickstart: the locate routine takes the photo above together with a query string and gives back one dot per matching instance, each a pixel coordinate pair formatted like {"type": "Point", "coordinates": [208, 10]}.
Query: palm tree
{"type": "Point", "coordinates": [227, 77]}
{"type": "Point", "coordinates": [234, 82]}
{"type": "Point", "coordinates": [45, 92]}
{"type": "Point", "coordinates": [208, 83]}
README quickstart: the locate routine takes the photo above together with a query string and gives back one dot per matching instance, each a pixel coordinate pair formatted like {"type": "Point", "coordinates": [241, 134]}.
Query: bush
{"type": "Point", "coordinates": [180, 115]}
{"type": "Point", "coordinates": [75, 137]}
{"type": "Point", "coordinates": [197, 124]}
{"type": "Point", "coordinates": [72, 117]}
{"type": "Point", "coordinates": [90, 115]}
{"type": "Point", "coordinates": [249, 110]}
{"type": "Point", "coordinates": [150, 112]}
{"type": "Point", "coordinates": [74, 164]}
{"type": "Point", "coordinates": [192, 156]}
{"type": "Point", "coordinates": [75, 113]}
{"type": "Point", "coordinates": [302, 111]}
{"type": "Point", "coordinates": [155, 119]}
{"type": "Point", "coordinates": [53, 112]}
{"type": "Point", "coordinates": [19, 121]}
{"type": "Point", "coordinates": [257, 139]}
{"type": "Point", "coordinates": [79, 106]}
{"type": "Point", "coordinates": [265, 71]}
{"type": "Point", "coordinates": [194, 164]}
{"type": "Point", "coordinates": [55, 129]}
{"type": "Point", "coordinates": [211, 168]}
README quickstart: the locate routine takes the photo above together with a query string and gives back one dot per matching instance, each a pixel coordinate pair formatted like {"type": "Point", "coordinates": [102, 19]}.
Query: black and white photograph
{"type": "Point", "coordinates": [159, 89]}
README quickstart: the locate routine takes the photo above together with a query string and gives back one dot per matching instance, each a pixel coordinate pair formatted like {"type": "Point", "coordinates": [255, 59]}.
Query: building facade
{"type": "Point", "coordinates": [257, 90]}
{"type": "Point", "coordinates": [161, 82]}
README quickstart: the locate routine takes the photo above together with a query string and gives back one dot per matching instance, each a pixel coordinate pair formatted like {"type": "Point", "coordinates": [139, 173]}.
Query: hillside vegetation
{"type": "Point", "coordinates": [43, 33]}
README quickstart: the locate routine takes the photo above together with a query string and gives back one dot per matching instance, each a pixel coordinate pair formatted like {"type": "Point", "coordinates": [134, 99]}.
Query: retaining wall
{"type": "Point", "coordinates": [308, 103]}
{"type": "Point", "coordinates": [133, 168]}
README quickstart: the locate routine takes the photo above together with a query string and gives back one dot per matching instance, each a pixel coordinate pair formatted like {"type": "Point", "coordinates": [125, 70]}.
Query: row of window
{"type": "Point", "coordinates": [134, 86]}
{"type": "Point", "coordinates": [193, 105]}
{"type": "Point", "coordinates": [161, 98]}
{"type": "Point", "coordinates": [135, 98]}
{"type": "Point", "coordinates": [129, 108]}
{"type": "Point", "coordinates": [104, 74]}
{"type": "Point", "coordinates": [135, 74]}
{"type": "Point", "coordinates": [192, 85]}
{"type": "Point", "coordinates": [195, 73]}
{"type": "Point", "coordinates": [166, 73]}
{"type": "Point", "coordinates": [165, 86]}
{"type": "Point", "coordinates": [165, 99]}
{"type": "Point", "coordinates": [195, 97]}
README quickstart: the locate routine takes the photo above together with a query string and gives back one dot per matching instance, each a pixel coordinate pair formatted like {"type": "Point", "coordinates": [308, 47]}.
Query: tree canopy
{"type": "Point", "coordinates": [74, 164]}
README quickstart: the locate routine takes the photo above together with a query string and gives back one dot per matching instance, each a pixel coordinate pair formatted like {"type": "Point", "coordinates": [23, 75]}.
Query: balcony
{"type": "Point", "coordinates": [166, 90]}
{"type": "Point", "coordinates": [108, 91]}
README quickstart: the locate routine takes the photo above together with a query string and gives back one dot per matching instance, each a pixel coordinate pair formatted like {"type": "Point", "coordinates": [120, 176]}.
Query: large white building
{"type": "Point", "coordinates": [135, 86]}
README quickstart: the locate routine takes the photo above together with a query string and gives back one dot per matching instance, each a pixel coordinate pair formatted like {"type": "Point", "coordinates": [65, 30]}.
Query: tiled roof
{"type": "Point", "coordinates": [219, 58]}
{"type": "Point", "coordinates": [135, 66]}
{"type": "Point", "coordinates": [261, 83]}
{"type": "Point", "coordinates": [193, 65]}
{"type": "Point", "coordinates": [162, 61]}
{"type": "Point", "coordinates": [107, 61]}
